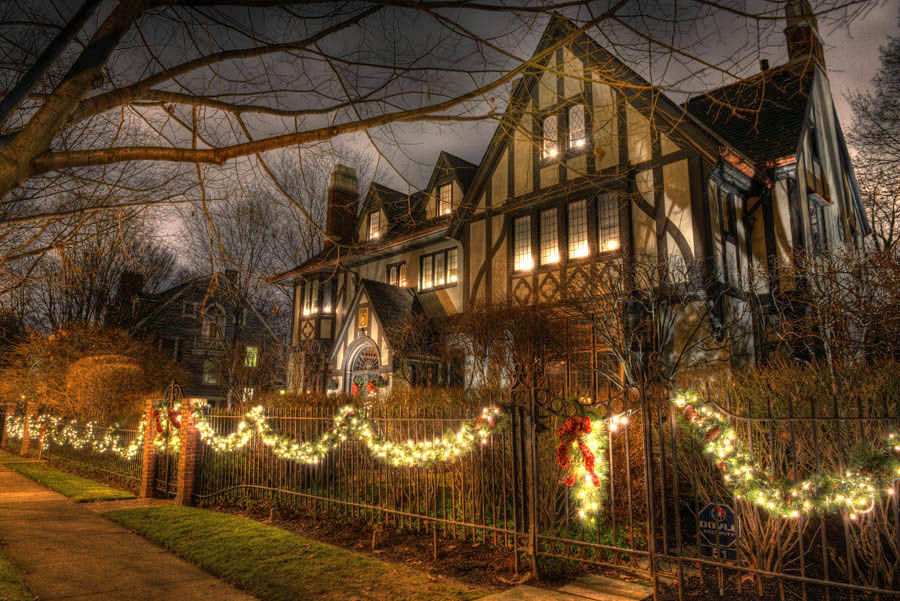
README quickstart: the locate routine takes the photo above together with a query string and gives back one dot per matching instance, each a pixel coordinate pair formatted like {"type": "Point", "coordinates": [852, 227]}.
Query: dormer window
{"type": "Point", "coordinates": [445, 199]}
{"type": "Point", "coordinates": [577, 136]}
{"type": "Point", "coordinates": [550, 129]}
{"type": "Point", "coordinates": [374, 225]}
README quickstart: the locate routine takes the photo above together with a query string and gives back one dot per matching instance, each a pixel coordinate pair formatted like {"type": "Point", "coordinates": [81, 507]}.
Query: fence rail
{"type": "Point", "coordinates": [110, 464]}
{"type": "Point", "coordinates": [475, 498]}
{"type": "Point", "coordinates": [510, 492]}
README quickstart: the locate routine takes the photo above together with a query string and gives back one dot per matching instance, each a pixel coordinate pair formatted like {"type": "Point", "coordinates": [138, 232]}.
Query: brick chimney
{"type": "Point", "coordinates": [343, 197]}
{"type": "Point", "coordinates": [802, 33]}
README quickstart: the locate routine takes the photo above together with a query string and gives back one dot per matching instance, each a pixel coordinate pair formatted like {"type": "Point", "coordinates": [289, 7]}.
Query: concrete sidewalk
{"type": "Point", "coordinates": [66, 550]}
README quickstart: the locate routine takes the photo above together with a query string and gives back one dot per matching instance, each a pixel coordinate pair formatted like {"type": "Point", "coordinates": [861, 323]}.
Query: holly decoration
{"type": "Point", "coordinates": [854, 491]}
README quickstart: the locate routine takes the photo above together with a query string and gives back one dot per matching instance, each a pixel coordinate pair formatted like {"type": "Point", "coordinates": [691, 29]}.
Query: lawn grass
{"type": "Point", "coordinates": [276, 565]}
{"type": "Point", "coordinates": [6, 457]}
{"type": "Point", "coordinates": [75, 487]}
{"type": "Point", "coordinates": [11, 586]}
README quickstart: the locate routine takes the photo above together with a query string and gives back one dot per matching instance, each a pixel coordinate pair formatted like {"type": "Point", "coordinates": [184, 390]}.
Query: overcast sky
{"type": "Point", "coordinates": [851, 57]}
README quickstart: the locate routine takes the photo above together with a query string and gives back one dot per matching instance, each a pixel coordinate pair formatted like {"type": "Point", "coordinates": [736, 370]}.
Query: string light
{"type": "Point", "coordinates": [349, 424]}
{"type": "Point", "coordinates": [854, 491]}
{"type": "Point", "coordinates": [90, 436]}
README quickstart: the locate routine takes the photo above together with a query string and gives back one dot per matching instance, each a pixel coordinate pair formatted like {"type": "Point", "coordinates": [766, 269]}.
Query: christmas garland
{"type": "Point", "coordinates": [96, 438]}
{"type": "Point", "coordinates": [348, 424]}
{"type": "Point", "coordinates": [854, 491]}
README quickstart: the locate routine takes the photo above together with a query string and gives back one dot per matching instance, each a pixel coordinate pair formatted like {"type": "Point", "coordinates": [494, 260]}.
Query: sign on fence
{"type": "Point", "coordinates": [718, 531]}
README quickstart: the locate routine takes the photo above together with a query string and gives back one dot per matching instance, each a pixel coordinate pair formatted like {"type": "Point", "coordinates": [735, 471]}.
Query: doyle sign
{"type": "Point", "coordinates": [718, 531]}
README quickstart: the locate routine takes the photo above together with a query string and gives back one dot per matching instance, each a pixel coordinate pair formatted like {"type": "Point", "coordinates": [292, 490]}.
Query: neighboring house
{"type": "Point", "coordinates": [221, 343]}
{"type": "Point", "coordinates": [578, 173]}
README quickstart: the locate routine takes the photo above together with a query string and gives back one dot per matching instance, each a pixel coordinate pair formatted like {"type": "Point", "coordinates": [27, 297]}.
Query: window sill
{"type": "Point", "coordinates": [435, 288]}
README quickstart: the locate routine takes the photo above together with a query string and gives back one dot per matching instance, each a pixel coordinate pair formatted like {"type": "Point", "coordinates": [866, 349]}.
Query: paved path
{"type": "Point", "coordinates": [66, 550]}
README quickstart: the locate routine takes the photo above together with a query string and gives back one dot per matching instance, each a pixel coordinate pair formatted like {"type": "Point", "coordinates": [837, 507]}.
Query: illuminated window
{"type": "Point", "coordinates": [251, 357]}
{"type": "Point", "coordinates": [608, 218]}
{"type": "Point", "coordinates": [551, 143]}
{"type": "Point", "coordinates": [578, 235]}
{"type": "Point", "coordinates": [452, 271]}
{"type": "Point", "coordinates": [326, 297]}
{"type": "Point", "coordinates": [310, 298]}
{"type": "Point", "coordinates": [374, 225]}
{"type": "Point", "coordinates": [397, 274]}
{"type": "Point", "coordinates": [427, 272]}
{"type": "Point", "coordinates": [439, 273]}
{"type": "Point", "coordinates": [549, 237]}
{"type": "Point", "coordinates": [439, 269]}
{"type": "Point", "coordinates": [577, 137]}
{"type": "Point", "coordinates": [445, 194]}
{"type": "Point", "coordinates": [522, 259]}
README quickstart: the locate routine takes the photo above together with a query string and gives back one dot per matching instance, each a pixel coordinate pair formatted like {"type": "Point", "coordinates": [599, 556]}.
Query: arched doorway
{"type": "Point", "coordinates": [363, 367]}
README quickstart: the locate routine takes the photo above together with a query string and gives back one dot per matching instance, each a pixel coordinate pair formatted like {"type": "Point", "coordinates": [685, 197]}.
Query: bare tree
{"type": "Point", "coordinates": [153, 98]}
{"type": "Point", "coordinates": [78, 280]}
{"type": "Point", "coordinates": [662, 321]}
{"type": "Point", "coordinates": [876, 135]}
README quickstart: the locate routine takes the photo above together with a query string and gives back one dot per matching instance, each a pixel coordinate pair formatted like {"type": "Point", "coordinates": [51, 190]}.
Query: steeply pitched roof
{"type": "Point", "coordinates": [393, 305]}
{"type": "Point", "coordinates": [463, 169]}
{"type": "Point", "coordinates": [762, 115]}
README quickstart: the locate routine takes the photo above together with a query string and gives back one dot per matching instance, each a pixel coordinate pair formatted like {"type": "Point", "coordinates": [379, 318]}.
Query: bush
{"type": "Point", "coordinates": [86, 372]}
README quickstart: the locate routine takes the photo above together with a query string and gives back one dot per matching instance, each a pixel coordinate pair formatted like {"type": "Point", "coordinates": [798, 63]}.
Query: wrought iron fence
{"type": "Point", "coordinates": [807, 556]}
{"type": "Point", "coordinates": [478, 497]}
{"type": "Point", "coordinates": [114, 465]}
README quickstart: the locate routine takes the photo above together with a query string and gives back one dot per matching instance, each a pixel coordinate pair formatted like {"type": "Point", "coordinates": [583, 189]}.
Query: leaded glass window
{"type": "Point", "coordinates": [608, 222]}
{"type": "Point", "coordinates": [551, 137]}
{"type": "Point", "coordinates": [446, 199]}
{"type": "Point", "coordinates": [549, 237]}
{"type": "Point", "coordinates": [578, 235]}
{"type": "Point", "coordinates": [522, 259]}
{"type": "Point", "coordinates": [577, 138]}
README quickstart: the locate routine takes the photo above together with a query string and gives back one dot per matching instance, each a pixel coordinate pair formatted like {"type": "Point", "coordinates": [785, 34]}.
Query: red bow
{"type": "Point", "coordinates": [173, 418]}
{"type": "Point", "coordinates": [573, 430]}
{"type": "Point", "coordinates": [155, 417]}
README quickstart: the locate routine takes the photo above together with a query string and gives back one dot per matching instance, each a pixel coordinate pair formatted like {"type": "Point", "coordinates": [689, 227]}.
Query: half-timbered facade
{"type": "Point", "coordinates": [590, 164]}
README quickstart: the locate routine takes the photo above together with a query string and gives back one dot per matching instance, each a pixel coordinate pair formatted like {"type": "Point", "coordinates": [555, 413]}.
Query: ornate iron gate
{"type": "Point", "coordinates": [165, 479]}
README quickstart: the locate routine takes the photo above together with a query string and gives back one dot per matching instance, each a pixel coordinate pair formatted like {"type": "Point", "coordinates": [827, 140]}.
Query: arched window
{"type": "Point", "coordinates": [214, 323]}
{"type": "Point", "coordinates": [210, 373]}
{"type": "Point", "coordinates": [364, 370]}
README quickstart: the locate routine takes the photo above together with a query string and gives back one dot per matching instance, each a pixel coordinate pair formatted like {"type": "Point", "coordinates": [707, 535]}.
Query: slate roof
{"type": "Point", "coordinates": [393, 305]}
{"type": "Point", "coordinates": [464, 170]}
{"type": "Point", "coordinates": [762, 115]}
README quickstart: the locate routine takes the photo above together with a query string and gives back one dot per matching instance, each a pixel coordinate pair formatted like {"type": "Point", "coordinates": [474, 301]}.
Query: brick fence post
{"type": "Point", "coordinates": [148, 454]}
{"type": "Point", "coordinates": [8, 413]}
{"type": "Point", "coordinates": [30, 411]}
{"type": "Point", "coordinates": [189, 452]}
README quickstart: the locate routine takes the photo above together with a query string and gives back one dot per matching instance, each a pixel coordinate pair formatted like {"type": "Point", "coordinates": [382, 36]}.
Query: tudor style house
{"type": "Point", "coordinates": [225, 346]}
{"type": "Point", "coordinates": [589, 164]}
